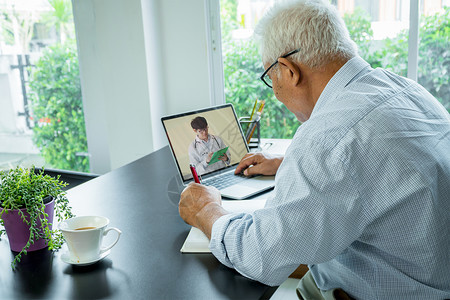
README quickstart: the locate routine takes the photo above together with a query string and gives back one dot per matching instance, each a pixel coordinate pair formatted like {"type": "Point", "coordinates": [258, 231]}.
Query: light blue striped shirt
{"type": "Point", "coordinates": [362, 196]}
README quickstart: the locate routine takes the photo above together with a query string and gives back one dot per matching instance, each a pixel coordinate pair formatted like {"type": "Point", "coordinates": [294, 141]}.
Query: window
{"type": "Point", "coordinates": [41, 113]}
{"type": "Point", "coordinates": [380, 29]}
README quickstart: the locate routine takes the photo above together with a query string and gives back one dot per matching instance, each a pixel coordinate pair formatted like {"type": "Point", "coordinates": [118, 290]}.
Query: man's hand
{"type": "Point", "coordinates": [223, 157]}
{"type": "Point", "coordinates": [259, 163]}
{"type": "Point", "coordinates": [200, 206]}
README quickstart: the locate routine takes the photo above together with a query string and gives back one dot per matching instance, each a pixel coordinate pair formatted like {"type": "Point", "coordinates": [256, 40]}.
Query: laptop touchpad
{"type": "Point", "coordinates": [239, 189]}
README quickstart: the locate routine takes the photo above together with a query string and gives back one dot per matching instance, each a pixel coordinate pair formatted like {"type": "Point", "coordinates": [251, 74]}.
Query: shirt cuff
{"type": "Point", "coordinates": [204, 164]}
{"type": "Point", "coordinates": [219, 229]}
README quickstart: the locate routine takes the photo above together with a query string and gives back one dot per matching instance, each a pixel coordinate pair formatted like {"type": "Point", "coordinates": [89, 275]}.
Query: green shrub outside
{"type": "Point", "coordinates": [434, 56]}
{"type": "Point", "coordinates": [242, 64]}
{"type": "Point", "coordinates": [57, 109]}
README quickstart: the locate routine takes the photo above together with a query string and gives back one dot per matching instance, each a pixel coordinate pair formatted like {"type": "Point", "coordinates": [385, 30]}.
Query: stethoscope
{"type": "Point", "coordinates": [195, 144]}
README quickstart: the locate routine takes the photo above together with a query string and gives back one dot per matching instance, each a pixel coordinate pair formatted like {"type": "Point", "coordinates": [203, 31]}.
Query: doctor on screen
{"type": "Point", "coordinates": [203, 147]}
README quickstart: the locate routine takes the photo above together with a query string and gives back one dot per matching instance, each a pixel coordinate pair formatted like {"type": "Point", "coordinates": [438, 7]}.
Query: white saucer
{"type": "Point", "coordinates": [65, 257]}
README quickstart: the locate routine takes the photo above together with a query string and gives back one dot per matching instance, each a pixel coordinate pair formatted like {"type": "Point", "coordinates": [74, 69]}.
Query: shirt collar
{"type": "Point", "coordinates": [200, 140]}
{"type": "Point", "coordinates": [346, 74]}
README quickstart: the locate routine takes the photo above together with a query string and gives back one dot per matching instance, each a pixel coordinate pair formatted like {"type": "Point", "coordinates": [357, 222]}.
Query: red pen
{"type": "Point", "coordinates": [194, 173]}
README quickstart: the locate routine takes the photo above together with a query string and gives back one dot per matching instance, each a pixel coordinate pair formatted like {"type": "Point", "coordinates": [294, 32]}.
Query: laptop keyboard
{"type": "Point", "coordinates": [224, 180]}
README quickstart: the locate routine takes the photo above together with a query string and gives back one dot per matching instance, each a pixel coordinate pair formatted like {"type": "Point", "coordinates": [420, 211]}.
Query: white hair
{"type": "Point", "coordinates": [313, 26]}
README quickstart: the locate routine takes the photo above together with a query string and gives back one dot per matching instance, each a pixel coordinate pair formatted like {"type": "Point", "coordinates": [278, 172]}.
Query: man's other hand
{"type": "Point", "coordinates": [259, 163]}
{"type": "Point", "coordinates": [200, 206]}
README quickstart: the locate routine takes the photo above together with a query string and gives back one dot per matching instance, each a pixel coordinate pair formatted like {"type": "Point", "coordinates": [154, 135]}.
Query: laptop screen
{"type": "Point", "coordinates": [211, 139]}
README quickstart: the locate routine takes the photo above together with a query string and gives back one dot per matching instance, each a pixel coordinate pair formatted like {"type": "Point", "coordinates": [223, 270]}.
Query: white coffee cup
{"type": "Point", "coordinates": [84, 236]}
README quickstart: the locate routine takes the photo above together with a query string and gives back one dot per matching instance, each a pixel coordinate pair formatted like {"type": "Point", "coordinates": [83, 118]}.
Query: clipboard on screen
{"type": "Point", "coordinates": [216, 155]}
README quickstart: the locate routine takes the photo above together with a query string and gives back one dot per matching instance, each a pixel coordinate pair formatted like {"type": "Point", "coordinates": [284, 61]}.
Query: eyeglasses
{"type": "Point", "coordinates": [265, 77]}
{"type": "Point", "coordinates": [203, 130]}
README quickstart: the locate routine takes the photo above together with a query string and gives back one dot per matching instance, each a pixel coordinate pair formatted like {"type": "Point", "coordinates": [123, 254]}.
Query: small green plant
{"type": "Point", "coordinates": [26, 188]}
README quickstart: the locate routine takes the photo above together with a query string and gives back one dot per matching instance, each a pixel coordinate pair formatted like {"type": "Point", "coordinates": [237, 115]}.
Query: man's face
{"type": "Point", "coordinates": [279, 87]}
{"type": "Point", "coordinates": [294, 98]}
{"type": "Point", "coordinates": [202, 133]}
{"type": "Point", "coordinates": [277, 84]}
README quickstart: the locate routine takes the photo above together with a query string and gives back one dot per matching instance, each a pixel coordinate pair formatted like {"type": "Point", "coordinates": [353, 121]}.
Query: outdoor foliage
{"type": "Point", "coordinates": [242, 64]}
{"type": "Point", "coordinates": [60, 18]}
{"type": "Point", "coordinates": [16, 28]}
{"type": "Point", "coordinates": [434, 56]}
{"type": "Point", "coordinates": [360, 29]}
{"type": "Point", "coordinates": [59, 130]}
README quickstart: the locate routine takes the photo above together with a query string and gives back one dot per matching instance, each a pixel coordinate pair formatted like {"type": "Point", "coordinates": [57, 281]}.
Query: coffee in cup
{"type": "Point", "coordinates": [85, 228]}
{"type": "Point", "coordinates": [84, 236]}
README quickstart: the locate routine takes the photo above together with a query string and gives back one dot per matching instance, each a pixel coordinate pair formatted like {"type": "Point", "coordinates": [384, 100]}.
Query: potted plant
{"type": "Point", "coordinates": [28, 200]}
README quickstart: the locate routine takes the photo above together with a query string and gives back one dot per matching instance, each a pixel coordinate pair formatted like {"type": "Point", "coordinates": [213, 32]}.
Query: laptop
{"type": "Point", "coordinates": [214, 150]}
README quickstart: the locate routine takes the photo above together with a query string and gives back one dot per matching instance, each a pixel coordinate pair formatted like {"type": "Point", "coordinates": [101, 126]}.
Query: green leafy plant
{"type": "Point", "coordinates": [434, 56]}
{"type": "Point", "coordinates": [360, 30]}
{"type": "Point", "coordinates": [57, 108]}
{"type": "Point", "coordinates": [26, 188]}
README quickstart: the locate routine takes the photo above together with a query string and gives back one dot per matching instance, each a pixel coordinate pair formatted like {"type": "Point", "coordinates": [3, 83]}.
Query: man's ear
{"type": "Point", "coordinates": [292, 70]}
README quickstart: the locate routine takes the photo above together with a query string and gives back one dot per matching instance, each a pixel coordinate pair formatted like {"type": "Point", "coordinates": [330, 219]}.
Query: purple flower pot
{"type": "Point", "coordinates": [19, 232]}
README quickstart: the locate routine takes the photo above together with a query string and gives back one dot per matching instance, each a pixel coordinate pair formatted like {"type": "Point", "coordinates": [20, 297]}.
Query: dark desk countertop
{"type": "Point", "coordinates": [141, 200]}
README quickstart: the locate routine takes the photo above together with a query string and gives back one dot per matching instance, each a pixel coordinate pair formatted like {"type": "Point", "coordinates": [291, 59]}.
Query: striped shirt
{"type": "Point", "coordinates": [362, 196]}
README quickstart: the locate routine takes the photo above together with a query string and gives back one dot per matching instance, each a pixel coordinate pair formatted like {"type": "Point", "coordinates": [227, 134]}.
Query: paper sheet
{"type": "Point", "coordinates": [197, 242]}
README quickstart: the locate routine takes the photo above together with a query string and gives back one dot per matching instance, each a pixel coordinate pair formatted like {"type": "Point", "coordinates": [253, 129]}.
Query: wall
{"type": "Point", "coordinates": [139, 60]}
{"type": "Point", "coordinates": [8, 99]}
{"type": "Point", "coordinates": [185, 54]}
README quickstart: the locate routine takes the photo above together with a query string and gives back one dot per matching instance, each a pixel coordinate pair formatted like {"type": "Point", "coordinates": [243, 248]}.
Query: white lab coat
{"type": "Point", "coordinates": [199, 150]}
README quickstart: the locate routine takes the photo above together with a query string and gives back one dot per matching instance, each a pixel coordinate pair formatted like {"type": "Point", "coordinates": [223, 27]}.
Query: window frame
{"type": "Point", "coordinates": [214, 50]}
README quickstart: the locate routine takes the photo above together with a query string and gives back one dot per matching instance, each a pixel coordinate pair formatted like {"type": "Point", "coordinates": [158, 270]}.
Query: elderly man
{"type": "Point", "coordinates": [363, 193]}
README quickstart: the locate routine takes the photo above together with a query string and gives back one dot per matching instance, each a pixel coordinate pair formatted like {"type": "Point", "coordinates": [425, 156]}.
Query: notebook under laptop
{"type": "Point", "coordinates": [197, 147]}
